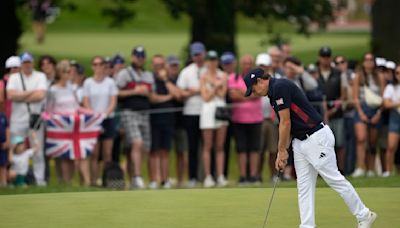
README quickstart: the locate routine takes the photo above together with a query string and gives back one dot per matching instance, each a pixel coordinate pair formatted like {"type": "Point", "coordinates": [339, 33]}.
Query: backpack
{"type": "Point", "coordinates": [113, 177]}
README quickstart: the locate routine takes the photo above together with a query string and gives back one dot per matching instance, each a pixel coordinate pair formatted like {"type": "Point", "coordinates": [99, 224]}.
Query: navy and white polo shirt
{"type": "Point", "coordinates": [285, 94]}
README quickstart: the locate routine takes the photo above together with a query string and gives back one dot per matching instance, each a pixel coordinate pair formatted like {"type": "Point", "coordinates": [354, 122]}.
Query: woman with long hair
{"type": "Point", "coordinates": [367, 118]}
{"type": "Point", "coordinates": [62, 100]}
{"type": "Point", "coordinates": [391, 101]}
{"type": "Point", "coordinates": [213, 89]}
{"type": "Point", "coordinates": [100, 95]}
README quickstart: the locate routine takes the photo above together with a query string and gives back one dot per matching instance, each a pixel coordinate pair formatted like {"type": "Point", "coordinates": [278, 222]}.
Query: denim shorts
{"type": "Point", "coordinates": [394, 122]}
{"type": "Point", "coordinates": [370, 112]}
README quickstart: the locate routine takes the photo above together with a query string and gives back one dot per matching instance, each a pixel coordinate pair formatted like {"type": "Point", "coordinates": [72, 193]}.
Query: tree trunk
{"type": "Point", "coordinates": [386, 29]}
{"type": "Point", "coordinates": [11, 28]}
{"type": "Point", "coordinates": [214, 24]}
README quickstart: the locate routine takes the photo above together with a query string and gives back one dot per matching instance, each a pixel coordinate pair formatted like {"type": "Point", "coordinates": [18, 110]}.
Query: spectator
{"type": "Point", "coordinates": [189, 83]}
{"type": "Point", "coordinates": [228, 64]}
{"type": "Point", "coordinates": [334, 85]}
{"type": "Point", "coordinates": [341, 64]}
{"type": "Point", "coordinates": [180, 137]}
{"type": "Point", "coordinates": [118, 63]}
{"type": "Point", "coordinates": [213, 88]}
{"type": "Point", "coordinates": [47, 64]}
{"type": "Point", "coordinates": [13, 65]}
{"type": "Point", "coordinates": [286, 50]}
{"type": "Point", "coordinates": [19, 156]}
{"type": "Point", "coordinates": [62, 100]}
{"type": "Point", "coordinates": [78, 77]}
{"type": "Point", "coordinates": [100, 96]}
{"type": "Point", "coordinates": [27, 90]}
{"type": "Point", "coordinates": [392, 102]}
{"type": "Point", "coordinates": [4, 146]}
{"type": "Point", "coordinates": [136, 85]}
{"type": "Point", "coordinates": [162, 124]}
{"type": "Point", "coordinates": [269, 127]}
{"type": "Point", "coordinates": [367, 118]}
{"type": "Point", "coordinates": [247, 118]}
{"type": "Point", "coordinates": [276, 62]}
{"type": "Point", "coordinates": [40, 12]}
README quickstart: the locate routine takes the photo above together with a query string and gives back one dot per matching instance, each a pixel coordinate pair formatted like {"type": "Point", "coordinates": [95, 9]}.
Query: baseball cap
{"type": "Point", "coordinates": [13, 61]}
{"type": "Point", "coordinates": [118, 59]}
{"type": "Point", "coordinates": [197, 48]}
{"type": "Point", "coordinates": [227, 57]}
{"type": "Point", "coordinates": [251, 78]}
{"type": "Point", "coordinates": [79, 68]}
{"type": "Point", "coordinates": [17, 140]}
{"type": "Point", "coordinates": [26, 57]}
{"type": "Point", "coordinates": [380, 62]}
{"type": "Point", "coordinates": [173, 60]}
{"type": "Point", "coordinates": [212, 55]}
{"type": "Point", "coordinates": [325, 51]}
{"type": "Point", "coordinates": [263, 59]}
{"type": "Point", "coordinates": [390, 65]}
{"type": "Point", "coordinates": [139, 51]}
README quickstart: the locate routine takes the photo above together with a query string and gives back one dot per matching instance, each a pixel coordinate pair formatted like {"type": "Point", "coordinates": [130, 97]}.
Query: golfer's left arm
{"type": "Point", "coordinates": [284, 137]}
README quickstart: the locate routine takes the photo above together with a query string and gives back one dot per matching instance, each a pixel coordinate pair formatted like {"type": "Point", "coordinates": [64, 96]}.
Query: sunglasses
{"type": "Point", "coordinates": [340, 62]}
{"type": "Point", "coordinates": [369, 59]}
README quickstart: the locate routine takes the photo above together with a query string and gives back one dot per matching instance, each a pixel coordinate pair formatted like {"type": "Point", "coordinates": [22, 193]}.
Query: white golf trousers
{"type": "Point", "coordinates": [316, 155]}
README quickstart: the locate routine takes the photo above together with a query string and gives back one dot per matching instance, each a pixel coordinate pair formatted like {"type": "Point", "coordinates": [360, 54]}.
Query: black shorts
{"type": "Point", "coordinates": [247, 137]}
{"type": "Point", "coordinates": [161, 137]}
{"type": "Point", "coordinates": [108, 129]}
{"type": "Point", "coordinates": [3, 157]}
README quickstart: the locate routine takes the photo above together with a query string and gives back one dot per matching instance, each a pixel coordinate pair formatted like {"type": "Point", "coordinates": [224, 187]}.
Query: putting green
{"type": "Point", "coordinates": [240, 207]}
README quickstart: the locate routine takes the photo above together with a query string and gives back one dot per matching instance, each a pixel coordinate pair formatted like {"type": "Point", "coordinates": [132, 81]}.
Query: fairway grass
{"type": "Point", "coordinates": [240, 207]}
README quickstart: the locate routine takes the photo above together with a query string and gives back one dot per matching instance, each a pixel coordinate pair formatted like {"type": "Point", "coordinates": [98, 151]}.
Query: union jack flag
{"type": "Point", "coordinates": [72, 136]}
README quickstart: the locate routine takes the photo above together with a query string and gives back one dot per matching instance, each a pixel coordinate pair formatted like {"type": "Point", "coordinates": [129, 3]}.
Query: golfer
{"type": "Point", "coordinates": [313, 146]}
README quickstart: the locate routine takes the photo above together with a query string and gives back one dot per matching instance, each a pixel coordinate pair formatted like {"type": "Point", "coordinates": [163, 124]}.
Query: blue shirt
{"type": "Point", "coordinates": [285, 94]}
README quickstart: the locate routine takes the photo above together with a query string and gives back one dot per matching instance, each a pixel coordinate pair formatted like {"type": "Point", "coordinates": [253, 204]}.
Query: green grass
{"type": "Point", "coordinates": [189, 208]}
{"type": "Point", "coordinates": [82, 46]}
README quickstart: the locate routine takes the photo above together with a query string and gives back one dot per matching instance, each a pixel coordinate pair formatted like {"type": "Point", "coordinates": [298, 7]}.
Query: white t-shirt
{"type": "Point", "coordinates": [99, 93]}
{"type": "Point", "coordinates": [392, 92]}
{"type": "Point", "coordinates": [20, 162]}
{"type": "Point", "coordinates": [61, 99]}
{"type": "Point", "coordinates": [189, 78]}
{"type": "Point", "coordinates": [36, 81]}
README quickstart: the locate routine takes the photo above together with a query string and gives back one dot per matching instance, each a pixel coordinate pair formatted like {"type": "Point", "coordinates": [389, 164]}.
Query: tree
{"type": "Point", "coordinates": [385, 29]}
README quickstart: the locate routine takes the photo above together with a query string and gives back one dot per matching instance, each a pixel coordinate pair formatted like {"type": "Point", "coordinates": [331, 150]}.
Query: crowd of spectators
{"type": "Point", "coordinates": [175, 107]}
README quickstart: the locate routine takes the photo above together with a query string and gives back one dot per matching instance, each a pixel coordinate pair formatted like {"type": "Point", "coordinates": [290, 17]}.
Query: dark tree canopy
{"type": "Point", "coordinates": [386, 29]}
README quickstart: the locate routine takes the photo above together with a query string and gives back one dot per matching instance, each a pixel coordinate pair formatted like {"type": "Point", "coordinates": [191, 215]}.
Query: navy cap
{"type": "Point", "coordinates": [197, 48]}
{"type": "Point", "coordinates": [172, 60]}
{"type": "Point", "coordinates": [118, 59]}
{"type": "Point", "coordinates": [139, 51]}
{"type": "Point", "coordinates": [251, 78]}
{"type": "Point", "coordinates": [227, 57]}
{"type": "Point", "coordinates": [325, 52]}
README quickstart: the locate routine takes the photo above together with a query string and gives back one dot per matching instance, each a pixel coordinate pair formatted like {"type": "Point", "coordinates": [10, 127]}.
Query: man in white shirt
{"type": "Point", "coordinates": [189, 83]}
{"type": "Point", "coordinates": [27, 90]}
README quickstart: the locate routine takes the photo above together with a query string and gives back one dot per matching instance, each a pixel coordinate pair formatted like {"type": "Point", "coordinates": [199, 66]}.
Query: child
{"type": "Point", "coordinates": [4, 144]}
{"type": "Point", "coordinates": [19, 156]}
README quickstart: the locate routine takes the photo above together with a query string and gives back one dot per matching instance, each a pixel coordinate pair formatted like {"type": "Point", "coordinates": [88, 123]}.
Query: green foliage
{"type": "Point", "coordinates": [119, 12]}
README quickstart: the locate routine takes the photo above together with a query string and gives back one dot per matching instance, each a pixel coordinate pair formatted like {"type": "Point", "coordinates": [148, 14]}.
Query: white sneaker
{"type": "Point", "coordinates": [167, 185]}
{"type": "Point", "coordinates": [153, 185]}
{"type": "Point", "coordinates": [191, 183]}
{"type": "Point", "coordinates": [358, 173]}
{"type": "Point", "coordinates": [209, 182]}
{"type": "Point", "coordinates": [221, 181]}
{"type": "Point", "coordinates": [137, 183]}
{"type": "Point", "coordinates": [367, 223]}
{"type": "Point", "coordinates": [386, 174]}
{"type": "Point", "coordinates": [42, 183]}
{"type": "Point", "coordinates": [370, 173]}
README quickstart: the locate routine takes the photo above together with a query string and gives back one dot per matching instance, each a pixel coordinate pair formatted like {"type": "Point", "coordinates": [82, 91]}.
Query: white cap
{"type": "Point", "coordinates": [380, 62]}
{"type": "Point", "coordinates": [390, 65]}
{"type": "Point", "coordinates": [13, 61]}
{"type": "Point", "coordinates": [263, 59]}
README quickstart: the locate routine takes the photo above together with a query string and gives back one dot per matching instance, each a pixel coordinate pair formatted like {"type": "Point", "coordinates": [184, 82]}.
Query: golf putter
{"type": "Point", "coordinates": [272, 196]}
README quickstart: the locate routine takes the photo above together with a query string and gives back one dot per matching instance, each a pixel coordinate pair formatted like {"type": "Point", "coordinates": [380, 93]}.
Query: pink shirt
{"type": "Point", "coordinates": [244, 111]}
